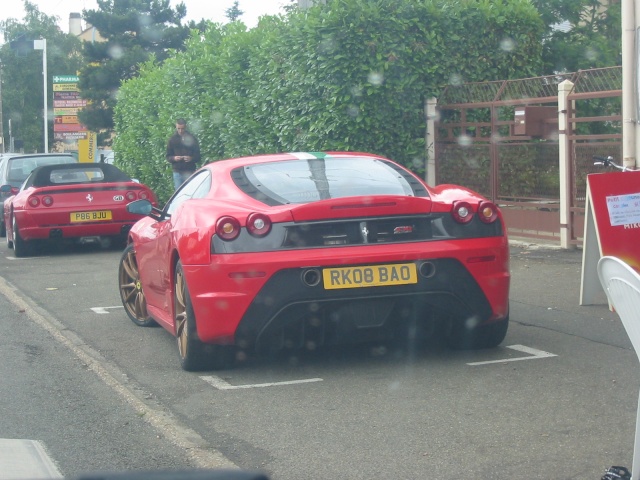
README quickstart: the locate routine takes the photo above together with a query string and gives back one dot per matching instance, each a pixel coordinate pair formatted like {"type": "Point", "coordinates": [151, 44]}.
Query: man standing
{"type": "Point", "coordinates": [183, 153]}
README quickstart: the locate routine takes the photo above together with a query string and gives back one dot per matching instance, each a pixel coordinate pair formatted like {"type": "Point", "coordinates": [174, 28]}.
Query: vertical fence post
{"type": "Point", "coordinates": [430, 140]}
{"type": "Point", "coordinates": [629, 83]}
{"type": "Point", "coordinates": [564, 127]}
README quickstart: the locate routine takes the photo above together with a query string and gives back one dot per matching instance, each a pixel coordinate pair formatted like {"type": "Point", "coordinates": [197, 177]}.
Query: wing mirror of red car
{"type": "Point", "coordinates": [144, 207]}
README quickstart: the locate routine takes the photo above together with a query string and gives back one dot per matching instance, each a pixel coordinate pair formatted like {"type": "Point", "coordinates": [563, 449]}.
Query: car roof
{"type": "Point", "coordinates": [279, 157]}
{"type": "Point", "coordinates": [41, 176]}
{"type": "Point", "coordinates": [32, 155]}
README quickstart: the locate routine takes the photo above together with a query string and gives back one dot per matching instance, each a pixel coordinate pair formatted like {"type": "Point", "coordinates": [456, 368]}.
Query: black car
{"type": "Point", "coordinates": [16, 167]}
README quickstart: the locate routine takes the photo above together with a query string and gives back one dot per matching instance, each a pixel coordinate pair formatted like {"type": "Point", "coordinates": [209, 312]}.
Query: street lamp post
{"type": "Point", "coordinates": [2, 150]}
{"type": "Point", "coordinates": [42, 45]}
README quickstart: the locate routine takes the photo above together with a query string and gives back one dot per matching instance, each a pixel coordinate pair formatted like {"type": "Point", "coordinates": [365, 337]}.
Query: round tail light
{"type": "Point", "coordinates": [47, 200]}
{"type": "Point", "coordinates": [462, 212]}
{"type": "Point", "coordinates": [258, 224]}
{"type": "Point", "coordinates": [487, 212]}
{"type": "Point", "coordinates": [130, 196]}
{"type": "Point", "coordinates": [227, 228]}
{"type": "Point", "coordinates": [34, 201]}
{"type": "Point", "coordinates": [143, 195]}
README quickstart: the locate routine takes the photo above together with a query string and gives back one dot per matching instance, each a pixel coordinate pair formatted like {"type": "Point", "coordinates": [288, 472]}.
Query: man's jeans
{"type": "Point", "coordinates": [180, 177]}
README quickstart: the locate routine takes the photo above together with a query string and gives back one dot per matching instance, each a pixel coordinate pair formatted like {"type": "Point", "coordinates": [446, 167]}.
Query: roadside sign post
{"type": "Point", "coordinates": [42, 45]}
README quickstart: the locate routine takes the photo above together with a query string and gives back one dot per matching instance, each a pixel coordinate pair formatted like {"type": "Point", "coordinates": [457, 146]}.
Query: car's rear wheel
{"type": "Point", "coordinates": [3, 229]}
{"type": "Point", "coordinates": [131, 293]}
{"type": "Point", "coordinates": [194, 355]}
{"type": "Point", "coordinates": [21, 248]}
{"type": "Point", "coordinates": [461, 335]}
{"type": "Point", "coordinates": [9, 240]}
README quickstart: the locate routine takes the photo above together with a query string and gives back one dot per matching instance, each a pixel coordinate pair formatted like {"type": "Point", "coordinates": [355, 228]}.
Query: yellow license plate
{"type": "Point", "coordinates": [96, 216]}
{"type": "Point", "coordinates": [369, 276]}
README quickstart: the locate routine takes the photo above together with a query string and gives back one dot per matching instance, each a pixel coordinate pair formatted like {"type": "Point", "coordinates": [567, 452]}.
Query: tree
{"type": "Point", "coordinates": [22, 82]}
{"type": "Point", "coordinates": [233, 13]}
{"type": "Point", "coordinates": [135, 31]}
{"type": "Point", "coordinates": [581, 34]}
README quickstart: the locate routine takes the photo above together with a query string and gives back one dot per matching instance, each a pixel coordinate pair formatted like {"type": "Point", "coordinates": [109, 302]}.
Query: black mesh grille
{"type": "Point", "coordinates": [387, 230]}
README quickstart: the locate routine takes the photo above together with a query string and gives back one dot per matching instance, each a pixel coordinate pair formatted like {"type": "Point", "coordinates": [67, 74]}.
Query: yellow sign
{"type": "Point", "coordinates": [65, 87]}
{"type": "Point", "coordinates": [65, 111]}
{"type": "Point", "coordinates": [69, 119]}
{"type": "Point", "coordinates": [87, 148]}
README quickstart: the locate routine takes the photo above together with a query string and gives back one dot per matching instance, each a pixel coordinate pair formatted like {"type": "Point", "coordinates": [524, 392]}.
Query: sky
{"type": "Point", "coordinates": [196, 9]}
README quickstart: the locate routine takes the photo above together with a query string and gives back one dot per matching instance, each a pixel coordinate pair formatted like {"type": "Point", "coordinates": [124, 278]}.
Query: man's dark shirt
{"type": "Point", "coordinates": [183, 145]}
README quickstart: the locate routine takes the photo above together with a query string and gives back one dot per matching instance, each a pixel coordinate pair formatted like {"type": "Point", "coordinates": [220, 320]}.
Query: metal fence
{"type": "Point", "coordinates": [482, 141]}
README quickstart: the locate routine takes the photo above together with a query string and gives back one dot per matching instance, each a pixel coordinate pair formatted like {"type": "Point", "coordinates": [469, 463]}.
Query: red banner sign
{"type": "Point", "coordinates": [68, 127]}
{"type": "Point", "coordinates": [69, 103]}
{"type": "Point", "coordinates": [612, 225]}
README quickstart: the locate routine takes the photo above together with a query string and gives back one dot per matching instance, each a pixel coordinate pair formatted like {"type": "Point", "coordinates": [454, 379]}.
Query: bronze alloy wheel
{"type": "Point", "coordinates": [131, 292]}
{"type": "Point", "coordinates": [182, 332]}
{"type": "Point", "coordinates": [194, 355]}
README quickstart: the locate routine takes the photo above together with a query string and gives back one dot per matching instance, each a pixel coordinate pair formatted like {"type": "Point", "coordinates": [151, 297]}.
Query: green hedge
{"type": "Point", "coordinates": [349, 75]}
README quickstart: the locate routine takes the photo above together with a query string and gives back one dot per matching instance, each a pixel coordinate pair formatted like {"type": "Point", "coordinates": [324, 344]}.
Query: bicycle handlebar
{"type": "Point", "coordinates": [608, 162]}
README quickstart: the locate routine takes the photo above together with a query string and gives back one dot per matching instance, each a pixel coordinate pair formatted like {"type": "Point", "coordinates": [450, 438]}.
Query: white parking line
{"type": "Point", "coordinates": [220, 384]}
{"type": "Point", "coordinates": [24, 258]}
{"type": "Point", "coordinates": [534, 354]}
{"type": "Point", "coordinates": [103, 310]}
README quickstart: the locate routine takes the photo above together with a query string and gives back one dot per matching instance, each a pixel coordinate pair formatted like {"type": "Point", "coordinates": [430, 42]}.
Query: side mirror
{"type": "Point", "coordinates": [5, 189]}
{"type": "Point", "coordinates": [144, 207]}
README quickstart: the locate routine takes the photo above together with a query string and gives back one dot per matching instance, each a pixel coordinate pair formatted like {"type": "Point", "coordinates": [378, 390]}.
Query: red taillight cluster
{"type": "Point", "coordinates": [13, 191]}
{"type": "Point", "coordinates": [463, 212]}
{"type": "Point", "coordinates": [36, 201]}
{"type": "Point", "coordinates": [258, 225]}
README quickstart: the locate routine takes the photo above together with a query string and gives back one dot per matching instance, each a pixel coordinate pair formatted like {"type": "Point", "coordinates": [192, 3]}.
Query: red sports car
{"type": "Point", "coordinates": [303, 249]}
{"type": "Point", "coordinates": [77, 200]}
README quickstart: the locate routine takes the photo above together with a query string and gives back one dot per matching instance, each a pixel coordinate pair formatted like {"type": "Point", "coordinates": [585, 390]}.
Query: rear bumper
{"type": "Point", "coordinates": [273, 293]}
{"type": "Point", "coordinates": [288, 311]}
{"type": "Point", "coordinates": [75, 231]}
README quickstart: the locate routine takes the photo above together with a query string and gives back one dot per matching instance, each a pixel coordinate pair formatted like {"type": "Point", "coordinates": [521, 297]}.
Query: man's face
{"type": "Point", "coordinates": [180, 128]}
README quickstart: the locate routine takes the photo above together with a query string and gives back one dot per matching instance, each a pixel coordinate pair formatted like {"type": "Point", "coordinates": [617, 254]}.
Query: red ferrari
{"type": "Point", "coordinates": [298, 250]}
{"type": "Point", "coordinates": [76, 200]}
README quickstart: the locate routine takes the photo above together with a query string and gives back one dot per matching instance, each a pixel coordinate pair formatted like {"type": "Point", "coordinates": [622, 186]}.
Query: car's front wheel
{"type": "Point", "coordinates": [21, 248]}
{"type": "Point", "coordinates": [131, 293]}
{"type": "Point", "coordinates": [463, 335]}
{"type": "Point", "coordinates": [194, 354]}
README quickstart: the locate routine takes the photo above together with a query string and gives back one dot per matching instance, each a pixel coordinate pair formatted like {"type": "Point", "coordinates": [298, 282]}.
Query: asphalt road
{"type": "Point", "coordinates": [557, 400]}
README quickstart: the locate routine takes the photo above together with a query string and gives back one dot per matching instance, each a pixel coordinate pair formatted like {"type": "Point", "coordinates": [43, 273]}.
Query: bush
{"type": "Point", "coordinates": [349, 75]}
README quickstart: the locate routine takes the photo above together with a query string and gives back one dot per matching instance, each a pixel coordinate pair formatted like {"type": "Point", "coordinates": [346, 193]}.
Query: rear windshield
{"type": "Point", "coordinates": [302, 181]}
{"type": "Point", "coordinates": [21, 167]}
{"type": "Point", "coordinates": [79, 175]}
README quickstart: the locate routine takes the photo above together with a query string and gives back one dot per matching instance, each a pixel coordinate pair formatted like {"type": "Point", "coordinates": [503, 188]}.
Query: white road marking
{"type": "Point", "coordinates": [220, 384]}
{"type": "Point", "coordinates": [183, 437]}
{"type": "Point", "coordinates": [24, 258]}
{"type": "Point", "coordinates": [534, 354]}
{"type": "Point", "coordinates": [25, 459]}
{"type": "Point", "coordinates": [103, 310]}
